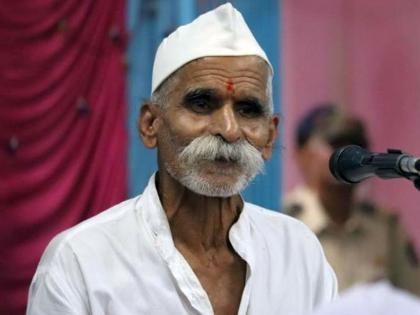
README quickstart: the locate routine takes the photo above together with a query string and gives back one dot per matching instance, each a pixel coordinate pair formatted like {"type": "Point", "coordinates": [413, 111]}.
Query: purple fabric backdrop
{"type": "Point", "coordinates": [363, 55]}
{"type": "Point", "coordinates": [62, 127]}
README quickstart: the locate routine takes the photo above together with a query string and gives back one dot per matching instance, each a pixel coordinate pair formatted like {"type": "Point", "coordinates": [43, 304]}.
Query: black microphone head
{"type": "Point", "coordinates": [346, 164]}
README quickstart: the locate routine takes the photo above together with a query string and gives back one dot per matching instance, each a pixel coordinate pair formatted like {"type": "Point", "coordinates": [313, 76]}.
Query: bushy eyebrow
{"type": "Point", "coordinates": [199, 94]}
{"type": "Point", "coordinates": [254, 101]}
{"type": "Point", "coordinates": [212, 95]}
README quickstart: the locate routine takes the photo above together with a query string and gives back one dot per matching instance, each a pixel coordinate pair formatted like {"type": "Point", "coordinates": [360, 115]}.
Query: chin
{"type": "Point", "coordinates": [214, 185]}
{"type": "Point", "coordinates": [214, 179]}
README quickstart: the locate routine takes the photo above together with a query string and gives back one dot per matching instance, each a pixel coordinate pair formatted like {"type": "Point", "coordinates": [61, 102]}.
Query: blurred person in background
{"type": "Point", "coordinates": [362, 242]}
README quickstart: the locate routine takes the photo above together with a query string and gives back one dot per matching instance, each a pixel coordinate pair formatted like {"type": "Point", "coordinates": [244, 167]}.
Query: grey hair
{"type": "Point", "coordinates": [161, 95]}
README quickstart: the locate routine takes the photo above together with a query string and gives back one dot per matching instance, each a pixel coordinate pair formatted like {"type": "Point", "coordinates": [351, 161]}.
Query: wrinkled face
{"type": "Point", "coordinates": [217, 128]}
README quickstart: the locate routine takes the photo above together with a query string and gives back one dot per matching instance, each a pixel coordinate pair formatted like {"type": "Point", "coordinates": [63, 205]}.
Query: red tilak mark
{"type": "Point", "coordinates": [230, 87]}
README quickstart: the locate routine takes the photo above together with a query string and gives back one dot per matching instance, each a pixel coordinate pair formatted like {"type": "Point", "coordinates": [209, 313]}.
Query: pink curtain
{"type": "Point", "coordinates": [62, 127]}
{"type": "Point", "coordinates": [363, 55]}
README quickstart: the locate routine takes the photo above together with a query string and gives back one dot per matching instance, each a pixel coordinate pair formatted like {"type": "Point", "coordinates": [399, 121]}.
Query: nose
{"type": "Point", "coordinates": [225, 124]}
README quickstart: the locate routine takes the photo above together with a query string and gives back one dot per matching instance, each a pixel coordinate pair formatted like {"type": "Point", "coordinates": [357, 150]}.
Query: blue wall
{"type": "Point", "coordinates": [149, 21]}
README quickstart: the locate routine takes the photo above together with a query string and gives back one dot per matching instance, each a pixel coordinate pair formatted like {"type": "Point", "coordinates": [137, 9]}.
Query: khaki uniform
{"type": "Point", "coordinates": [369, 247]}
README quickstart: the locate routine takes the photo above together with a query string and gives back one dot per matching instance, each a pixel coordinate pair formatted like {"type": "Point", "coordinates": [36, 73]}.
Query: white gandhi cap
{"type": "Point", "coordinates": [220, 32]}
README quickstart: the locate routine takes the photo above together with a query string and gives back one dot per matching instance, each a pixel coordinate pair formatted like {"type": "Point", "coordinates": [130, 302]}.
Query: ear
{"type": "Point", "coordinates": [267, 151]}
{"type": "Point", "coordinates": [148, 124]}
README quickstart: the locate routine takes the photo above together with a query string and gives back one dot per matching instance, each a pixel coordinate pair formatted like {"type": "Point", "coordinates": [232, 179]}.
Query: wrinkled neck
{"type": "Point", "coordinates": [199, 222]}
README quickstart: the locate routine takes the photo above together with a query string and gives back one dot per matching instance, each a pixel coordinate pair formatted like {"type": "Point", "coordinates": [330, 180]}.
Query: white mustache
{"type": "Point", "coordinates": [211, 148]}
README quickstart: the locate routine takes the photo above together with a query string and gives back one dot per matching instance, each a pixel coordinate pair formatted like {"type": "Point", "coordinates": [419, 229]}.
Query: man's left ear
{"type": "Point", "coordinates": [272, 135]}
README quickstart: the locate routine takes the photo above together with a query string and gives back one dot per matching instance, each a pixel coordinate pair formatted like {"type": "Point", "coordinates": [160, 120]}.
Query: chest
{"type": "Point", "coordinates": [222, 276]}
{"type": "Point", "coordinates": [153, 285]}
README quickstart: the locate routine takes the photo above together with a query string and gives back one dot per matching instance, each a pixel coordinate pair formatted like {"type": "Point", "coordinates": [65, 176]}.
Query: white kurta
{"type": "Point", "coordinates": [123, 261]}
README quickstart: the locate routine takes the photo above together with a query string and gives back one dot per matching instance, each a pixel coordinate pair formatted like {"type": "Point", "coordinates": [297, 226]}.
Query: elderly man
{"type": "Point", "coordinates": [189, 244]}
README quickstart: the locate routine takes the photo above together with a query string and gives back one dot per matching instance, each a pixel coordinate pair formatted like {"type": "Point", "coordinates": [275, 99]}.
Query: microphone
{"type": "Point", "coordinates": [352, 164]}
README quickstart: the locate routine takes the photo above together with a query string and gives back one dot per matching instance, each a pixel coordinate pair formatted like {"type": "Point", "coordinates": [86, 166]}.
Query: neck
{"type": "Point", "coordinates": [198, 222]}
{"type": "Point", "coordinates": [337, 201]}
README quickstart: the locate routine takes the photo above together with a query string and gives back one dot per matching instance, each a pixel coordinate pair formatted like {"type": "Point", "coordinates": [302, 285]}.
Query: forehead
{"type": "Point", "coordinates": [243, 71]}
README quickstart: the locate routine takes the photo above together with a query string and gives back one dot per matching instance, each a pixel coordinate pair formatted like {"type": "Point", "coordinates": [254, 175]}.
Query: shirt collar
{"type": "Point", "coordinates": [157, 223]}
{"type": "Point", "coordinates": [156, 220]}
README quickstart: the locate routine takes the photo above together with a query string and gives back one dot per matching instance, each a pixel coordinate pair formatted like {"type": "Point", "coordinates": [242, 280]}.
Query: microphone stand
{"type": "Point", "coordinates": [414, 177]}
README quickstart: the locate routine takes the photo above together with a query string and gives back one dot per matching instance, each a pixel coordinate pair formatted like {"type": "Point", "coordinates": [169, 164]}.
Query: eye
{"type": "Point", "coordinates": [200, 101]}
{"type": "Point", "coordinates": [200, 106]}
{"type": "Point", "coordinates": [250, 109]}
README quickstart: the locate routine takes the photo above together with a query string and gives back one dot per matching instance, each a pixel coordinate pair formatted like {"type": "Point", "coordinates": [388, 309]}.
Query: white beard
{"type": "Point", "coordinates": [210, 148]}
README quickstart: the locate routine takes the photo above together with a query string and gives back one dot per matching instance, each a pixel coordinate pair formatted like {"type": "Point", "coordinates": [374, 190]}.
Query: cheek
{"type": "Point", "coordinates": [166, 143]}
{"type": "Point", "coordinates": [256, 134]}
{"type": "Point", "coordinates": [184, 127]}
{"type": "Point", "coordinates": [187, 125]}
{"type": "Point", "coordinates": [177, 131]}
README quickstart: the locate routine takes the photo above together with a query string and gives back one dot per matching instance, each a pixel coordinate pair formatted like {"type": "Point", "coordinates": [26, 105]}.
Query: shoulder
{"type": "Point", "coordinates": [294, 248]}
{"type": "Point", "coordinates": [284, 231]}
{"type": "Point", "coordinates": [78, 259]}
{"type": "Point", "coordinates": [275, 221]}
{"type": "Point", "coordinates": [87, 235]}
{"type": "Point", "coordinates": [59, 281]}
